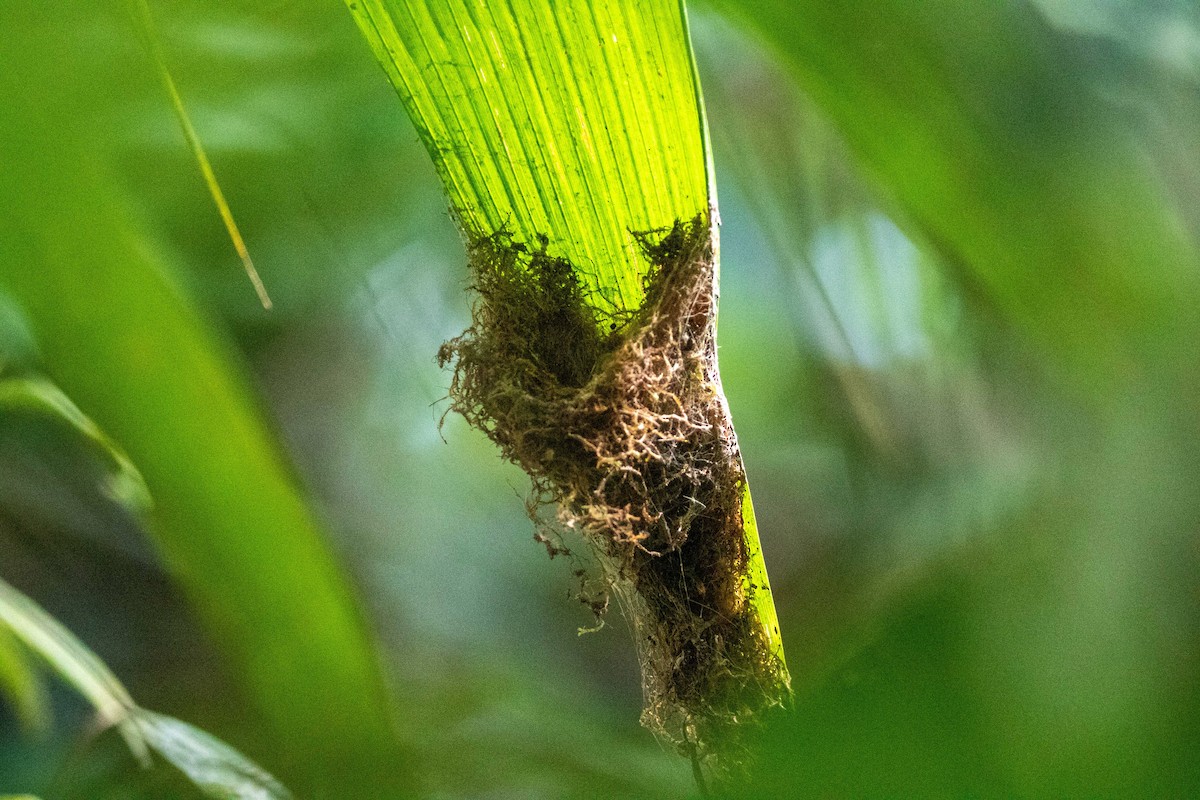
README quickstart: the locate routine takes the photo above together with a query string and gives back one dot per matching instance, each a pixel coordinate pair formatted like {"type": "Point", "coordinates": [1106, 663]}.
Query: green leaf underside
{"type": "Point", "coordinates": [536, 130]}
{"type": "Point", "coordinates": [77, 665]}
{"type": "Point", "coordinates": [212, 765]}
{"type": "Point", "coordinates": [40, 396]}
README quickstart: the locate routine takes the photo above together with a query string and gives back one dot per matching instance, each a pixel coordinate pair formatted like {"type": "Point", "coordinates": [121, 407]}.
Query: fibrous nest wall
{"type": "Point", "coordinates": [621, 423]}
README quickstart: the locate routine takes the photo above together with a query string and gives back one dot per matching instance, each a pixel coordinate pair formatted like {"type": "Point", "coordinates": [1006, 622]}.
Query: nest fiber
{"type": "Point", "coordinates": [622, 425]}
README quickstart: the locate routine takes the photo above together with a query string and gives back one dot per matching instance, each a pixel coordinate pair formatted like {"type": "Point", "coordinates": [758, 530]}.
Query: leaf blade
{"type": "Point", "coordinates": [585, 145]}
{"type": "Point", "coordinates": [126, 483]}
{"type": "Point", "coordinates": [77, 665]}
{"type": "Point", "coordinates": [213, 766]}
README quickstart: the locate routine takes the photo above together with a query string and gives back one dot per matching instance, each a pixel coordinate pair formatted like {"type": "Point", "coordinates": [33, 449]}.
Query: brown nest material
{"type": "Point", "coordinates": [623, 425]}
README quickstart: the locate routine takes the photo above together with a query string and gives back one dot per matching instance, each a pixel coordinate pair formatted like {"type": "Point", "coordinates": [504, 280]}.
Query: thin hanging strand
{"type": "Point", "coordinates": [210, 178]}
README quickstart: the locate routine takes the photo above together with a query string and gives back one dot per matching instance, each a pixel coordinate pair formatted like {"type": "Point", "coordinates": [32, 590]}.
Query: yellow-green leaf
{"type": "Point", "coordinates": [579, 121]}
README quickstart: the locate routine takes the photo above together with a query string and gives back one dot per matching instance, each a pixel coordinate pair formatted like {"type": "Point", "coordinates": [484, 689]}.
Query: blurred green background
{"type": "Point", "coordinates": [958, 334]}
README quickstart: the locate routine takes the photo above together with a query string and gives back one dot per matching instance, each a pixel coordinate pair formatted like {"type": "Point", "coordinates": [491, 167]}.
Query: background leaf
{"type": "Point", "coordinates": [229, 519]}
{"type": "Point", "coordinates": [1013, 154]}
{"type": "Point", "coordinates": [20, 684]}
{"type": "Point", "coordinates": [77, 665]}
{"type": "Point", "coordinates": [999, 146]}
{"type": "Point", "coordinates": [40, 396]}
{"type": "Point", "coordinates": [212, 765]}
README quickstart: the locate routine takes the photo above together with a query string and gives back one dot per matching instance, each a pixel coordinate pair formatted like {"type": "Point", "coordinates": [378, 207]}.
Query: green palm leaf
{"type": "Point", "coordinates": [577, 121]}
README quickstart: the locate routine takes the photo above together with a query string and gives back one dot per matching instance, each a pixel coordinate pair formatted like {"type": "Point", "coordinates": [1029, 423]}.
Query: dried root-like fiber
{"type": "Point", "coordinates": [622, 423]}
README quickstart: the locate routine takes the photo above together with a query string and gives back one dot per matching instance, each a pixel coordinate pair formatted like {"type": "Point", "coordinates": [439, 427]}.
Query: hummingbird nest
{"type": "Point", "coordinates": [621, 423]}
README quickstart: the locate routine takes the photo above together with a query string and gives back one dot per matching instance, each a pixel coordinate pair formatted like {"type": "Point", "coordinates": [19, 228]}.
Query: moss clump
{"type": "Point", "coordinates": [627, 431]}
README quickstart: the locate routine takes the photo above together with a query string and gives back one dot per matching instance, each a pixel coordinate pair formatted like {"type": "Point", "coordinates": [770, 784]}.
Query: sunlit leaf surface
{"type": "Point", "coordinates": [579, 121]}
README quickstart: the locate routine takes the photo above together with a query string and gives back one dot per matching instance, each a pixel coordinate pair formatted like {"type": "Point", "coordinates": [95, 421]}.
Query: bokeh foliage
{"type": "Point", "coordinates": [228, 518]}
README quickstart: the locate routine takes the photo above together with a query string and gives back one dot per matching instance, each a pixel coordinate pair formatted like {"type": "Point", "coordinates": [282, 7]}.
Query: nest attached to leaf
{"type": "Point", "coordinates": [622, 425]}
